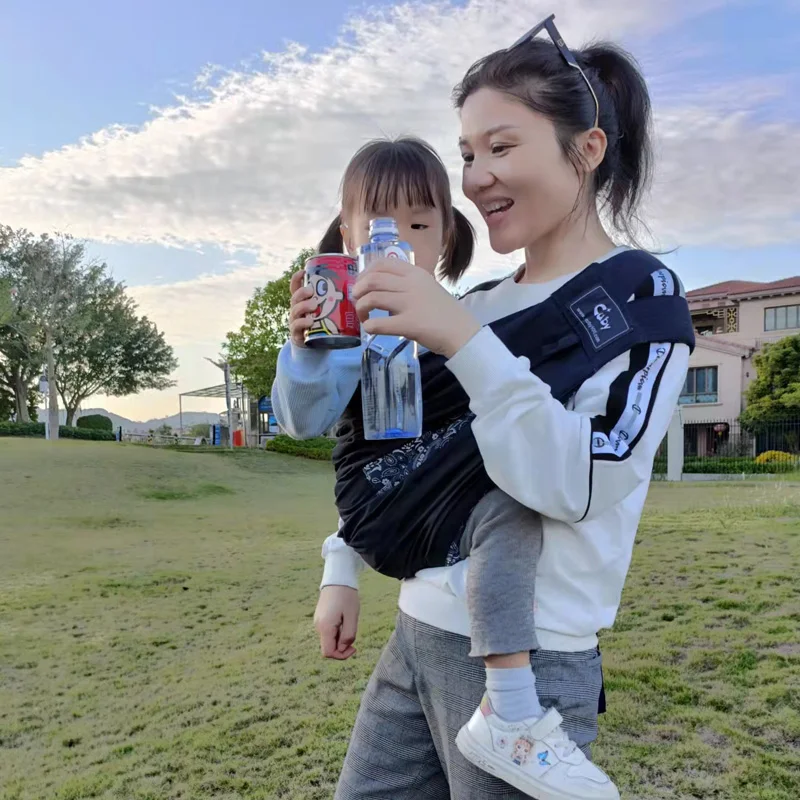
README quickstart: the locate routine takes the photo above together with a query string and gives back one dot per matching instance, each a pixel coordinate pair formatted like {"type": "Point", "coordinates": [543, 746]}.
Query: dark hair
{"type": "Point", "coordinates": [536, 74]}
{"type": "Point", "coordinates": [385, 171]}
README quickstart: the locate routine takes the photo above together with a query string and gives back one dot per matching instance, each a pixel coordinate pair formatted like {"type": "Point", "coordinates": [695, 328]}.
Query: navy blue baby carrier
{"type": "Point", "coordinates": [404, 505]}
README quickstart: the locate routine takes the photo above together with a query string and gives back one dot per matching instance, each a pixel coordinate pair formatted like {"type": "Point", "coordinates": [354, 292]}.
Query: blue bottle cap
{"type": "Point", "coordinates": [383, 226]}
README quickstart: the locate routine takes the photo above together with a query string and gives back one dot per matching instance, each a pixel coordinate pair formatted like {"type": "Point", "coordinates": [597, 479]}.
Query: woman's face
{"type": "Point", "coordinates": [514, 170]}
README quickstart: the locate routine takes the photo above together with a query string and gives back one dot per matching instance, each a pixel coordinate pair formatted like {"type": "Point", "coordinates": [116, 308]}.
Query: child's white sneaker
{"type": "Point", "coordinates": [535, 756]}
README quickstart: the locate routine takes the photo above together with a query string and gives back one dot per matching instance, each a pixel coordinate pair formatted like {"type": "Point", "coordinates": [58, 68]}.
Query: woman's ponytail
{"type": "Point", "coordinates": [626, 117]}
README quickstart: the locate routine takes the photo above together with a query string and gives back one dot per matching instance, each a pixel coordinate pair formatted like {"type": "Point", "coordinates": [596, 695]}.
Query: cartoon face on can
{"type": "Point", "coordinates": [328, 297]}
{"type": "Point", "coordinates": [335, 323]}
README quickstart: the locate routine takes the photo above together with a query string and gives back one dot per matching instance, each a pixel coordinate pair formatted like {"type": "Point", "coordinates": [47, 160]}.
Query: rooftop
{"type": "Point", "coordinates": [728, 288]}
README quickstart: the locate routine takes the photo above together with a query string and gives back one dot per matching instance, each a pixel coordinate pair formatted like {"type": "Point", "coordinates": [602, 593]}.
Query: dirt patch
{"type": "Point", "coordinates": [712, 738]}
{"type": "Point", "coordinates": [787, 649]}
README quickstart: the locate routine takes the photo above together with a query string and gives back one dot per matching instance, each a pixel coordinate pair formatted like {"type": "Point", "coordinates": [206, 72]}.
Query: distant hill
{"type": "Point", "coordinates": [189, 418]}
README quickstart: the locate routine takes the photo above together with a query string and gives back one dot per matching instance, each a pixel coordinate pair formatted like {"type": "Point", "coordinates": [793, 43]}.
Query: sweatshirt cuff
{"type": "Point", "coordinates": [485, 355]}
{"type": "Point", "coordinates": [342, 565]}
{"type": "Point", "coordinates": [307, 357]}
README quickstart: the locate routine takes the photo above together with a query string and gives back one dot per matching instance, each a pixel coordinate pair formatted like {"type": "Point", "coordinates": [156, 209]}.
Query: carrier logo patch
{"type": "Point", "coordinates": [600, 316]}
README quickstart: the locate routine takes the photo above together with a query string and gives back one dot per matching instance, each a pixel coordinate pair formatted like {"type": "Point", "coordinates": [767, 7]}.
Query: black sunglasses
{"type": "Point", "coordinates": [549, 26]}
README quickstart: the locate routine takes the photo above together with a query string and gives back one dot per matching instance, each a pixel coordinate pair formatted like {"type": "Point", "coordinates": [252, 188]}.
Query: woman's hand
{"type": "Point", "coordinates": [336, 621]}
{"type": "Point", "coordinates": [421, 309]}
{"type": "Point", "coordinates": [301, 308]}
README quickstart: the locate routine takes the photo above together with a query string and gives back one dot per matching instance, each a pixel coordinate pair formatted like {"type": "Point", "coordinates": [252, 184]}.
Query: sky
{"type": "Point", "coordinates": [197, 147]}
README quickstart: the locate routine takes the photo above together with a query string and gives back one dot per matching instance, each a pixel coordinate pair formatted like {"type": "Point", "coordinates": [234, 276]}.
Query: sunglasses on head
{"type": "Point", "coordinates": [549, 26]}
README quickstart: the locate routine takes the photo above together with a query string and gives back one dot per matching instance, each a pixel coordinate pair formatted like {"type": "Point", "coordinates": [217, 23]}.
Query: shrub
{"type": "Point", "coordinates": [21, 428]}
{"type": "Point", "coordinates": [88, 434]}
{"type": "Point", "coordinates": [319, 449]}
{"type": "Point", "coordinates": [776, 457]}
{"type": "Point", "coordinates": [37, 429]}
{"type": "Point", "coordinates": [97, 422]}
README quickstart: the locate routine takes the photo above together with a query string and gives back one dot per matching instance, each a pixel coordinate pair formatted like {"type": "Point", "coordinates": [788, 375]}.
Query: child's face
{"type": "Point", "coordinates": [422, 228]}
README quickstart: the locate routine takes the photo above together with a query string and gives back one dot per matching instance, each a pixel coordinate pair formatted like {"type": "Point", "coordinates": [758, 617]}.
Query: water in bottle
{"type": "Point", "coordinates": [391, 389]}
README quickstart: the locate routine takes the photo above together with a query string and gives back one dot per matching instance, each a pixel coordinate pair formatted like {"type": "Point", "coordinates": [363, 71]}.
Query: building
{"type": "Point", "coordinates": [733, 320]}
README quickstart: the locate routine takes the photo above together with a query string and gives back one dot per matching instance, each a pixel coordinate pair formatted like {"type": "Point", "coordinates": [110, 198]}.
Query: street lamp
{"type": "Point", "coordinates": [44, 389]}
{"type": "Point", "coordinates": [225, 367]}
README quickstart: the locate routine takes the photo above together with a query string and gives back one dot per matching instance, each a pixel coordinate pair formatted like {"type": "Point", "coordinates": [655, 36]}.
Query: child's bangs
{"type": "Point", "coordinates": [394, 173]}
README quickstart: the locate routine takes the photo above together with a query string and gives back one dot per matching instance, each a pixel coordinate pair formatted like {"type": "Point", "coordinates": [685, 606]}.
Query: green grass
{"type": "Point", "coordinates": [156, 639]}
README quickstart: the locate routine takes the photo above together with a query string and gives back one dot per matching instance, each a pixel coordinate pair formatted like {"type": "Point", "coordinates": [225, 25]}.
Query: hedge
{"type": "Point", "coordinates": [735, 466]}
{"type": "Point", "coordinates": [37, 429]}
{"type": "Point", "coordinates": [319, 449]}
{"type": "Point", "coordinates": [96, 422]}
{"type": "Point", "coordinates": [712, 465]}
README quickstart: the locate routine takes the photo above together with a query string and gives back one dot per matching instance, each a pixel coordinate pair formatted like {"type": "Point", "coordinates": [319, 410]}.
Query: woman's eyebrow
{"type": "Point", "coordinates": [491, 132]}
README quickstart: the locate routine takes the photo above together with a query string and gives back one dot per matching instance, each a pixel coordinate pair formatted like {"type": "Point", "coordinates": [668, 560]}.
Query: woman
{"type": "Point", "coordinates": [547, 137]}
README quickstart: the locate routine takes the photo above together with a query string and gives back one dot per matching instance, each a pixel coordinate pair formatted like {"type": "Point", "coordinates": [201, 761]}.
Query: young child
{"type": "Point", "coordinates": [406, 180]}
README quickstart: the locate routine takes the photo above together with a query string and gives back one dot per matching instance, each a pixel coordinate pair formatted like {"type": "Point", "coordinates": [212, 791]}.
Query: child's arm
{"type": "Point", "coordinates": [338, 607]}
{"type": "Point", "coordinates": [313, 387]}
{"type": "Point", "coordinates": [342, 564]}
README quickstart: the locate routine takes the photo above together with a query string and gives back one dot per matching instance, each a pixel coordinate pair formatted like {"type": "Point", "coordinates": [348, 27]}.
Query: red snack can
{"type": "Point", "coordinates": [336, 326]}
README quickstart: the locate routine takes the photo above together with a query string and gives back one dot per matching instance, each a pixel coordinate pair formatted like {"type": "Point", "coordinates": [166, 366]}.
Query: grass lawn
{"type": "Point", "coordinates": [156, 641]}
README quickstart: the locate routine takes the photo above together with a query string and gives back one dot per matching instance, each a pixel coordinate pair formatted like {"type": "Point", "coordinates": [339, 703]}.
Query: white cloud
{"type": "Point", "coordinates": [252, 160]}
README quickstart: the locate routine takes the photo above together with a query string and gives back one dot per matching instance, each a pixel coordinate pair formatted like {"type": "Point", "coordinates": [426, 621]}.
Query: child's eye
{"type": "Point", "coordinates": [419, 226]}
{"type": "Point", "coordinates": [468, 158]}
{"type": "Point", "coordinates": [499, 149]}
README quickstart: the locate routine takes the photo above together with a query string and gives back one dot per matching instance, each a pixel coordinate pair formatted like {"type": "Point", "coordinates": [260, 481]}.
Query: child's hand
{"type": "Point", "coordinates": [336, 621]}
{"type": "Point", "coordinates": [301, 308]}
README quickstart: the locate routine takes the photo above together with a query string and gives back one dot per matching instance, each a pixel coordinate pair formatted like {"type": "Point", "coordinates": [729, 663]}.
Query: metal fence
{"type": "Point", "coordinates": [725, 446]}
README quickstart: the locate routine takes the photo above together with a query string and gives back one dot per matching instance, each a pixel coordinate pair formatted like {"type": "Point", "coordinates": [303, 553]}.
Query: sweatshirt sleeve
{"type": "Point", "coordinates": [313, 387]}
{"type": "Point", "coordinates": [570, 463]}
{"type": "Point", "coordinates": [342, 564]}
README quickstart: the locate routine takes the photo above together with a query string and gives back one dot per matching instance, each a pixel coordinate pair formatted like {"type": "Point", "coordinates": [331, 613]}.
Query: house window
{"type": "Point", "coordinates": [782, 318]}
{"type": "Point", "coordinates": [700, 386]}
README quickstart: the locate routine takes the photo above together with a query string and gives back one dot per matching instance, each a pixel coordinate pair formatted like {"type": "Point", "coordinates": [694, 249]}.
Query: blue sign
{"type": "Point", "coordinates": [265, 404]}
{"type": "Point", "coordinates": [216, 434]}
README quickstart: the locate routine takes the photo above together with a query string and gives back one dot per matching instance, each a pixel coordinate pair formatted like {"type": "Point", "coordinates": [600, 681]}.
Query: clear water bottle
{"type": "Point", "coordinates": [391, 388]}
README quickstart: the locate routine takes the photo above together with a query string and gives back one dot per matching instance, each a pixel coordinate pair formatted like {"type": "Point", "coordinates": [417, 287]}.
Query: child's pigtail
{"type": "Point", "coordinates": [332, 241]}
{"type": "Point", "coordinates": [459, 250]}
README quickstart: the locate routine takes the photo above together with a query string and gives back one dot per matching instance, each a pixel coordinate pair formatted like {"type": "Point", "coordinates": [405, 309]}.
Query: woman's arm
{"type": "Point", "coordinates": [313, 387]}
{"type": "Point", "coordinates": [570, 464]}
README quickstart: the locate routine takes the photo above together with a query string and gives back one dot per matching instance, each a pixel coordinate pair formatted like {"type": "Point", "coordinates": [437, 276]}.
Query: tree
{"type": "Point", "coordinates": [7, 295]}
{"type": "Point", "coordinates": [200, 429]}
{"type": "Point", "coordinates": [50, 279]}
{"type": "Point", "coordinates": [8, 404]}
{"type": "Point", "coordinates": [774, 395]}
{"type": "Point", "coordinates": [252, 351]}
{"type": "Point", "coordinates": [115, 353]}
{"type": "Point", "coordinates": [68, 314]}
{"type": "Point", "coordinates": [21, 360]}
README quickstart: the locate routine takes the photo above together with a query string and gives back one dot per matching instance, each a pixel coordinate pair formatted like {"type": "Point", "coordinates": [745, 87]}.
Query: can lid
{"type": "Point", "coordinates": [382, 225]}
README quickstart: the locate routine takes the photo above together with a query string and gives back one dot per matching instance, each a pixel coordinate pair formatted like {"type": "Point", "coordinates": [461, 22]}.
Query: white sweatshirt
{"type": "Point", "coordinates": [585, 467]}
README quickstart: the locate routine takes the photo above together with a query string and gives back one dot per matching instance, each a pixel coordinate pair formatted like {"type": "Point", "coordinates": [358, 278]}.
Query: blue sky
{"type": "Point", "coordinates": [200, 202]}
{"type": "Point", "coordinates": [118, 59]}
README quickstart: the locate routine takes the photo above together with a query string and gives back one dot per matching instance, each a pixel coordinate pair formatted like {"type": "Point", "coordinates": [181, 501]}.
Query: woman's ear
{"type": "Point", "coordinates": [593, 148]}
